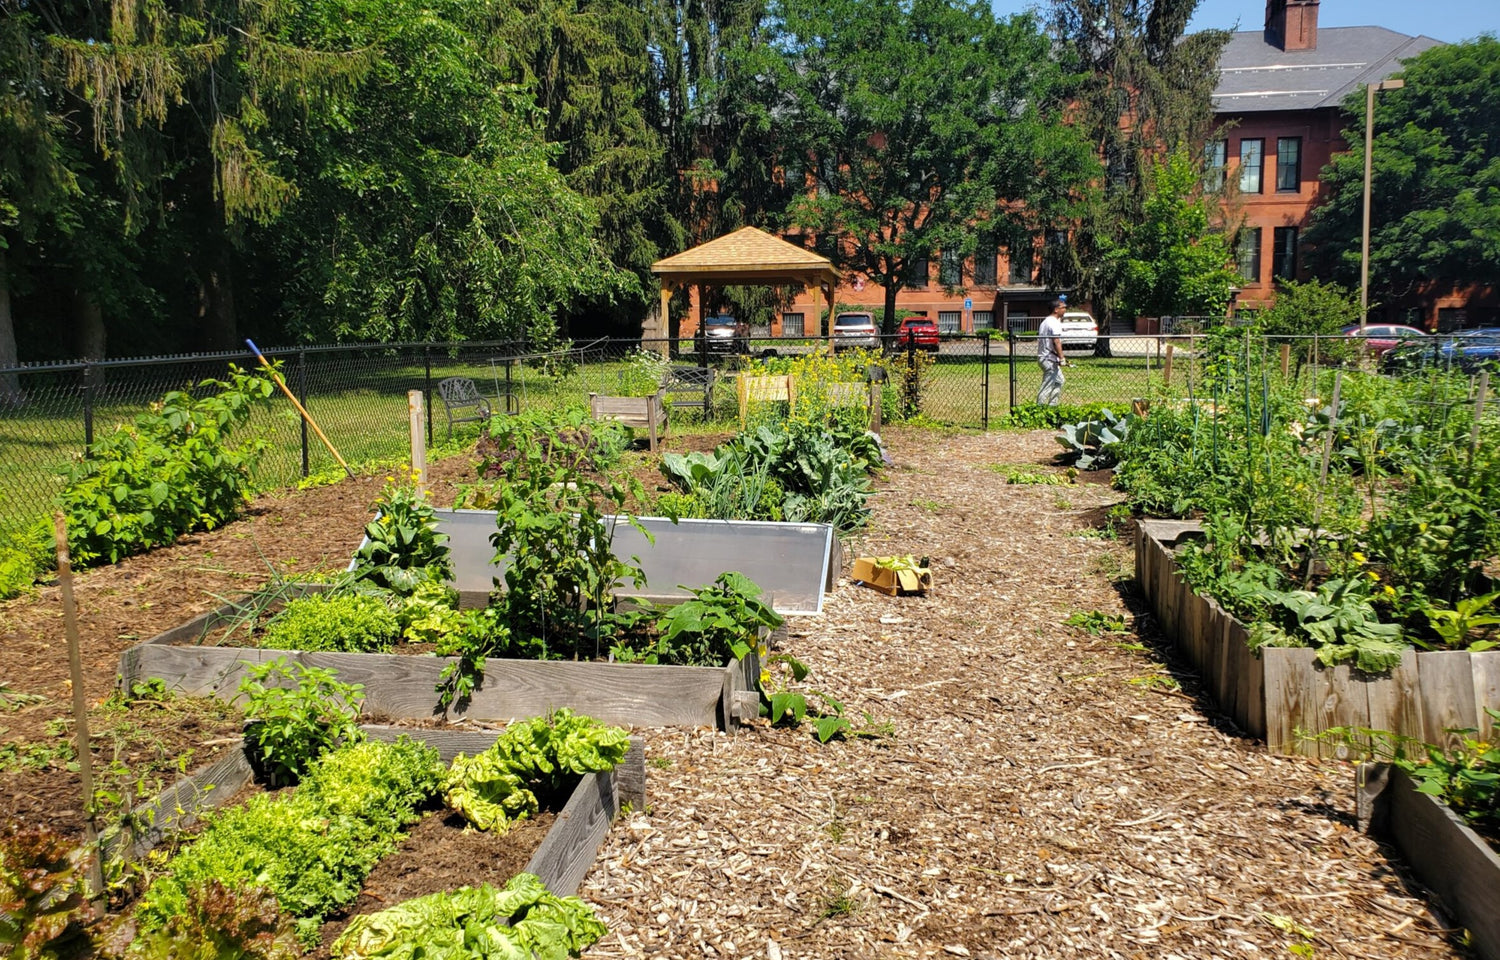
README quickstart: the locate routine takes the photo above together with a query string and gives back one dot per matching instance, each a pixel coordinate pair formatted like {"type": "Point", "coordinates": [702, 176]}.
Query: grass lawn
{"type": "Point", "coordinates": [360, 402]}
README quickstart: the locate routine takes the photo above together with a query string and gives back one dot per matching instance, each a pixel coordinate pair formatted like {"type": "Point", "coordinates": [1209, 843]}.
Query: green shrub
{"type": "Point", "coordinates": [172, 472]}
{"type": "Point", "coordinates": [295, 714]}
{"type": "Point", "coordinates": [721, 622]}
{"type": "Point", "coordinates": [312, 848]}
{"type": "Point", "coordinates": [17, 571]}
{"type": "Point", "coordinates": [341, 623]}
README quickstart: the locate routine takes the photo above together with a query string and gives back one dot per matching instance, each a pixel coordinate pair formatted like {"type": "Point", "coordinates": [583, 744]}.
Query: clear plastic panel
{"type": "Point", "coordinates": [792, 562]}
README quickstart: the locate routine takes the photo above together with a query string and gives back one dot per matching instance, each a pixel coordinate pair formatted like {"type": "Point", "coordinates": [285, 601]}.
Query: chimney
{"type": "Point", "coordinates": [1292, 24]}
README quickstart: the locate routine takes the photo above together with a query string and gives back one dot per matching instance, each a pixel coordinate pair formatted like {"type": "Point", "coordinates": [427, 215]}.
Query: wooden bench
{"type": "Point", "coordinates": [647, 413]}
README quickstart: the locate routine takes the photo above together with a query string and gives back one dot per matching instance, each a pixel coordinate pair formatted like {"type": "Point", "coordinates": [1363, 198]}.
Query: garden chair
{"type": "Point", "coordinates": [462, 402]}
{"type": "Point", "coordinates": [690, 387]}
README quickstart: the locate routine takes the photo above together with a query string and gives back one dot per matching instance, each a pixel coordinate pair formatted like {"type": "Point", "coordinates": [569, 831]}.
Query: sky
{"type": "Point", "coordinates": [1447, 20]}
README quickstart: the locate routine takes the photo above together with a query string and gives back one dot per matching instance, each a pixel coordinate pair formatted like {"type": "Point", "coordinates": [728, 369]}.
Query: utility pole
{"type": "Point", "coordinates": [1364, 243]}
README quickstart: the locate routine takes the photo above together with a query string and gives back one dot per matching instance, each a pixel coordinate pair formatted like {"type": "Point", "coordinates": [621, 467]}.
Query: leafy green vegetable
{"type": "Point", "coordinates": [344, 623]}
{"type": "Point", "coordinates": [296, 713]}
{"type": "Point", "coordinates": [313, 848]}
{"type": "Point", "coordinates": [720, 623]}
{"type": "Point", "coordinates": [403, 547]}
{"type": "Point", "coordinates": [520, 922]}
{"type": "Point", "coordinates": [222, 924]}
{"type": "Point", "coordinates": [42, 902]}
{"type": "Point", "coordinates": [1337, 620]}
{"type": "Point", "coordinates": [530, 766]}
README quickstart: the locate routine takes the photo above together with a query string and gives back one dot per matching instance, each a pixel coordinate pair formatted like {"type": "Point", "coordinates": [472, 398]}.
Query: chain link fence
{"type": "Point", "coordinates": [358, 394]}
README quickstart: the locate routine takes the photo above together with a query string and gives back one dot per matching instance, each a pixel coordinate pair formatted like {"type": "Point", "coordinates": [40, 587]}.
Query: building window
{"type": "Point", "coordinates": [1215, 156]}
{"type": "Point", "coordinates": [791, 325]}
{"type": "Point", "coordinates": [984, 266]}
{"type": "Point", "coordinates": [984, 319]}
{"type": "Point", "coordinates": [1289, 165]}
{"type": "Point", "coordinates": [1248, 254]}
{"type": "Point", "coordinates": [950, 321]}
{"type": "Point", "coordinates": [1022, 260]}
{"type": "Point", "coordinates": [1252, 160]}
{"type": "Point", "coordinates": [950, 268]}
{"type": "Point", "coordinates": [1284, 260]}
{"type": "Point", "coordinates": [916, 275]}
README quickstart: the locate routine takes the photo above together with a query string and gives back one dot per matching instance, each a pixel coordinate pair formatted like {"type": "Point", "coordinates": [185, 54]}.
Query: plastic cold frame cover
{"type": "Point", "coordinates": [793, 563]}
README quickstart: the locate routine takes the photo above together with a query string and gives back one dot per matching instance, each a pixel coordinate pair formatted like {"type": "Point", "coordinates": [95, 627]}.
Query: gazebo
{"type": "Point", "coordinates": [747, 256]}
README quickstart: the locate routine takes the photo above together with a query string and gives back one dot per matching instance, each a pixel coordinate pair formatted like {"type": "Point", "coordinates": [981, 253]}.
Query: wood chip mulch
{"type": "Point", "coordinates": [1046, 793]}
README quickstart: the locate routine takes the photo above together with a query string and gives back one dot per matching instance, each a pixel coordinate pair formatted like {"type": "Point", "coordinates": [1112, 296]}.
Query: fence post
{"type": "Point", "coordinates": [1010, 340]}
{"type": "Point", "coordinates": [913, 386]}
{"type": "Point", "coordinates": [88, 404]}
{"type": "Point", "coordinates": [427, 386]}
{"type": "Point", "coordinates": [302, 398]}
{"type": "Point", "coordinates": [985, 421]}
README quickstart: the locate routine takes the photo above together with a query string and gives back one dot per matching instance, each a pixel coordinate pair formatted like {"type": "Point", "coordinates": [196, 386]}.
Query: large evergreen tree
{"type": "Point", "coordinates": [918, 126]}
{"type": "Point", "coordinates": [1435, 178]}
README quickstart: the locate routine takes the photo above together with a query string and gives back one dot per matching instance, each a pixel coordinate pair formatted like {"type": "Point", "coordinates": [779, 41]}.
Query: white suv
{"type": "Point", "coordinates": [855, 330]}
{"type": "Point", "coordinates": [1080, 331]}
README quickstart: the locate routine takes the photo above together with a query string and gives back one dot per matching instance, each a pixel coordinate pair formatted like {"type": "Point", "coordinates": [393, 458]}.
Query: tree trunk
{"type": "Point", "coordinates": [888, 322]}
{"type": "Point", "coordinates": [221, 321]}
{"type": "Point", "coordinates": [89, 336]}
{"type": "Point", "coordinates": [10, 383]}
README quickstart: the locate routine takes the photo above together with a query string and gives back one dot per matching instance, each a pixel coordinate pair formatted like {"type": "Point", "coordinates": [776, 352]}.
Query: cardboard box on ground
{"type": "Point", "coordinates": [896, 576]}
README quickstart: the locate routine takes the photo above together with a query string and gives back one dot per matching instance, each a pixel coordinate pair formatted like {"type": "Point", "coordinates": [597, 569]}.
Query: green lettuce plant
{"type": "Point", "coordinates": [345, 623]}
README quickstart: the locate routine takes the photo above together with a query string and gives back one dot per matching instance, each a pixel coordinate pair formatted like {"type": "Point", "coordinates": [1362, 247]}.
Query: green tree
{"type": "Point", "coordinates": [1171, 263]}
{"type": "Point", "coordinates": [430, 205]}
{"type": "Point", "coordinates": [1435, 178]}
{"type": "Point", "coordinates": [1130, 60]}
{"type": "Point", "coordinates": [1305, 310]}
{"type": "Point", "coordinates": [918, 126]}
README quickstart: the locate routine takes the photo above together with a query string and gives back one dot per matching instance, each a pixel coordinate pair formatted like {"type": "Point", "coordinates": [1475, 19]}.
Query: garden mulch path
{"type": "Point", "coordinates": [1044, 794]}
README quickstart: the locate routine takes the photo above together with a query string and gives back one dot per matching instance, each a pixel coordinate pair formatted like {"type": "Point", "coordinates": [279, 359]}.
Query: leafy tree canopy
{"type": "Point", "coordinates": [1171, 262]}
{"type": "Point", "coordinates": [1435, 177]}
{"type": "Point", "coordinates": [918, 126]}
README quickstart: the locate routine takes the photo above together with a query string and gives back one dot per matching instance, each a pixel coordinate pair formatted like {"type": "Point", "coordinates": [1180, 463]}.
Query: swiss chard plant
{"type": "Point", "coordinates": [403, 547]}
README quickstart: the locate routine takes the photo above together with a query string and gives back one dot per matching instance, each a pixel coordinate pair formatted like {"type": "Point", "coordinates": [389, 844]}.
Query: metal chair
{"type": "Point", "coordinates": [462, 402]}
{"type": "Point", "coordinates": [690, 387]}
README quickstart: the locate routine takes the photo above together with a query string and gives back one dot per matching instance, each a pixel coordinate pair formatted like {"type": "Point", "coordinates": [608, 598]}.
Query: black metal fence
{"type": "Point", "coordinates": [357, 393]}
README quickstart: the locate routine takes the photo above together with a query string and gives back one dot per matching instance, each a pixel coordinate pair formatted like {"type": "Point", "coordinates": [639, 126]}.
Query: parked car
{"type": "Point", "coordinates": [723, 333]}
{"type": "Point", "coordinates": [1381, 338]}
{"type": "Point", "coordinates": [1466, 350]}
{"type": "Point", "coordinates": [920, 332]}
{"type": "Point", "coordinates": [854, 330]}
{"type": "Point", "coordinates": [1080, 331]}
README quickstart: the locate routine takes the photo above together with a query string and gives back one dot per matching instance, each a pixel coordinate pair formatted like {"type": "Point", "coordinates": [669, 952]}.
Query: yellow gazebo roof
{"type": "Point", "coordinates": [749, 256]}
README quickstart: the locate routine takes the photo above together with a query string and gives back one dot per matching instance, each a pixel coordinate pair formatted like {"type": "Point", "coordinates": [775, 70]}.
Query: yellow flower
{"type": "Point", "coordinates": [1374, 577]}
{"type": "Point", "coordinates": [1359, 557]}
{"type": "Point", "coordinates": [1390, 591]}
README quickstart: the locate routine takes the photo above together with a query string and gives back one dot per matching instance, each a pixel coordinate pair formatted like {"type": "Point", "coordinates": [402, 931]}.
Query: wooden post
{"type": "Point", "coordinates": [1484, 386]}
{"type": "Point", "coordinates": [80, 705]}
{"type": "Point", "coordinates": [1286, 359]}
{"type": "Point", "coordinates": [1166, 368]}
{"type": "Point", "coordinates": [876, 389]}
{"type": "Point", "coordinates": [664, 324]}
{"type": "Point", "coordinates": [414, 411]}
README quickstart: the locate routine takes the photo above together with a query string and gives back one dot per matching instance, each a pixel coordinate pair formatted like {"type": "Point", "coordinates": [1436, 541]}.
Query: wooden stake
{"type": "Point", "coordinates": [80, 705]}
{"type": "Point", "coordinates": [276, 378]}
{"type": "Point", "coordinates": [1286, 359]}
{"type": "Point", "coordinates": [876, 389]}
{"type": "Point", "coordinates": [417, 416]}
{"type": "Point", "coordinates": [1484, 386]}
{"type": "Point", "coordinates": [1166, 368]}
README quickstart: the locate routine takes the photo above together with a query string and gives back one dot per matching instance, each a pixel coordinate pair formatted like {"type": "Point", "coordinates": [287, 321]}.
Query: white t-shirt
{"type": "Point", "coordinates": [1045, 350]}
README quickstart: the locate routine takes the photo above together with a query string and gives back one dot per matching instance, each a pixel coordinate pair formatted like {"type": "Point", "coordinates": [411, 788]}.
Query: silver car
{"type": "Point", "coordinates": [855, 330]}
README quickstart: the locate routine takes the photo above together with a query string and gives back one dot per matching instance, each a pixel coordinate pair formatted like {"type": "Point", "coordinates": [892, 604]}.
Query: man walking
{"type": "Point", "coordinates": [1050, 356]}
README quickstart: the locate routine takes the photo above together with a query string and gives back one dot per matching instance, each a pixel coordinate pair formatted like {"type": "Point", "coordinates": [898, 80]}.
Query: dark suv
{"type": "Point", "coordinates": [724, 334]}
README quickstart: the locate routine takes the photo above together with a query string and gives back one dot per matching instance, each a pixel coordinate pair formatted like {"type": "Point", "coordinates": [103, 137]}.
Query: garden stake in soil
{"type": "Point", "coordinates": [1333, 421]}
{"type": "Point", "coordinates": [1484, 386]}
{"type": "Point", "coordinates": [80, 705]}
{"type": "Point", "coordinates": [296, 403]}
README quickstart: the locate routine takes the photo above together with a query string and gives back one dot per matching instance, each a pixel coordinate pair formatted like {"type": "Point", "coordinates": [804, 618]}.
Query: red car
{"type": "Point", "coordinates": [1380, 338]}
{"type": "Point", "coordinates": [920, 331]}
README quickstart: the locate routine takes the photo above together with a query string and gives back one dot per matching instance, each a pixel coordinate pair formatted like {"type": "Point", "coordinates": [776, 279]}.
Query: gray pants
{"type": "Point", "coordinates": [1052, 383]}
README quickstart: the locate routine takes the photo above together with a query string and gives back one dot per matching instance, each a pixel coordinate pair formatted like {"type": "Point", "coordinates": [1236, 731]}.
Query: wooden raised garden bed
{"type": "Point", "coordinates": [404, 686]}
{"type": "Point", "coordinates": [1444, 852]}
{"type": "Point", "coordinates": [1282, 691]}
{"type": "Point", "coordinates": [562, 860]}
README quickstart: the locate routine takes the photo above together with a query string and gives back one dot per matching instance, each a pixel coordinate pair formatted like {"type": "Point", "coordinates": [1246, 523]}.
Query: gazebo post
{"type": "Point", "coordinates": [664, 346]}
